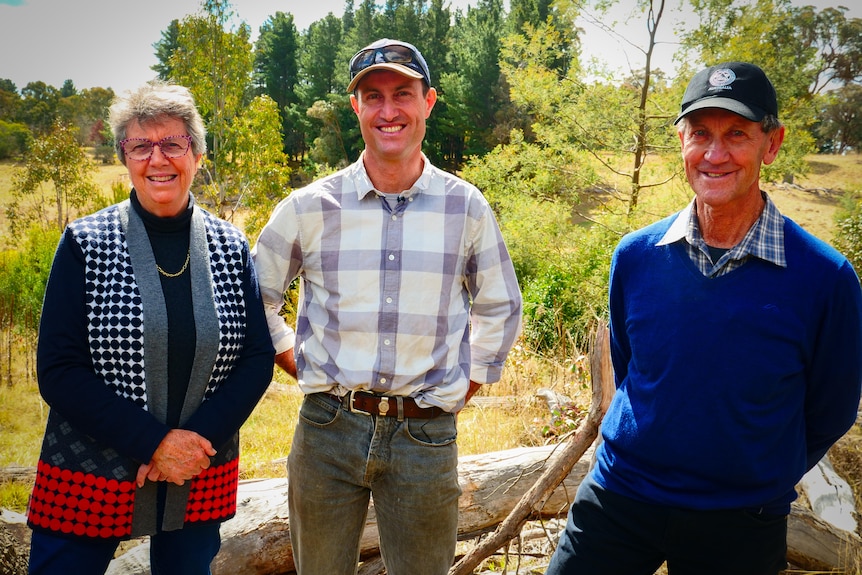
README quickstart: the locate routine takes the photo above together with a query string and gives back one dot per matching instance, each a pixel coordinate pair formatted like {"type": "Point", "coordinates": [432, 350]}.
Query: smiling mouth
{"type": "Point", "coordinates": [161, 178]}
{"type": "Point", "coordinates": [391, 129]}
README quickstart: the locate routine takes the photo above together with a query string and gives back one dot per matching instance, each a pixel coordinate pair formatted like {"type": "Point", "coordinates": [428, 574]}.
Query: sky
{"type": "Point", "coordinates": [109, 44]}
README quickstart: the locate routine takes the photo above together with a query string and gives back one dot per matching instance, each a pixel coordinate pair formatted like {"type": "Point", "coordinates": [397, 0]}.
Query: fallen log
{"type": "Point", "coordinates": [829, 495]}
{"type": "Point", "coordinates": [814, 544]}
{"type": "Point", "coordinates": [257, 540]}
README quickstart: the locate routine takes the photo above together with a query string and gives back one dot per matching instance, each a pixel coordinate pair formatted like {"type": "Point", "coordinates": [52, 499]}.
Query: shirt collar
{"type": "Point", "coordinates": [765, 239]}
{"type": "Point", "coordinates": [357, 176]}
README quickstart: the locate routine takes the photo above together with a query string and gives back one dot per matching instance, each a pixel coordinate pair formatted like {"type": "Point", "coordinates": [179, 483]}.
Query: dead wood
{"type": "Point", "coordinates": [555, 473]}
{"type": "Point", "coordinates": [814, 544]}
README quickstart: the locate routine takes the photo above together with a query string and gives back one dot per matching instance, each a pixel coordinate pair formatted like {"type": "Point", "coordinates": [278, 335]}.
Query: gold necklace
{"type": "Point", "coordinates": [182, 269]}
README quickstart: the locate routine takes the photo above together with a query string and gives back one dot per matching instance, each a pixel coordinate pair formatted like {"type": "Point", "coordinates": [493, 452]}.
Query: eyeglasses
{"type": "Point", "coordinates": [392, 54]}
{"type": "Point", "coordinates": [141, 149]}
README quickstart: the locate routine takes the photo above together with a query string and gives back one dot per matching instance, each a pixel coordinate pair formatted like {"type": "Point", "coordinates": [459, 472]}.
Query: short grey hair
{"type": "Point", "coordinates": [153, 102]}
{"type": "Point", "coordinates": [769, 123]}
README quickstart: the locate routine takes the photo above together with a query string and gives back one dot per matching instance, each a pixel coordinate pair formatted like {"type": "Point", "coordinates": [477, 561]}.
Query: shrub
{"type": "Point", "coordinates": [14, 140]}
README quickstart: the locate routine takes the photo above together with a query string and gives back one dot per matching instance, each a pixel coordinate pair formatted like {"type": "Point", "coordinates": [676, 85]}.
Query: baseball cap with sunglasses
{"type": "Point", "coordinates": [387, 54]}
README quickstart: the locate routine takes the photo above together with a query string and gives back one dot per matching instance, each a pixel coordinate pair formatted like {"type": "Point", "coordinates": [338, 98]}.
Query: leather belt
{"type": "Point", "coordinates": [387, 406]}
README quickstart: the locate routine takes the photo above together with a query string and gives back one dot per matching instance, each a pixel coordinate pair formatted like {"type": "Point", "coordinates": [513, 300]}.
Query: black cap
{"type": "Point", "coordinates": [739, 87]}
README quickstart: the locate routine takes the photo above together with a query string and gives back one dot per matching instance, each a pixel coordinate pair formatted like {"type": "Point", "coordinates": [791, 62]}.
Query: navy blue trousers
{"type": "Point", "coordinates": [608, 534]}
{"type": "Point", "coordinates": [187, 551]}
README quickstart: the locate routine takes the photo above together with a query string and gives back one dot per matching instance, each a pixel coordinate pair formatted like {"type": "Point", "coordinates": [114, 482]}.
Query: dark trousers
{"type": "Point", "coordinates": [608, 534]}
{"type": "Point", "coordinates": [187, 551]}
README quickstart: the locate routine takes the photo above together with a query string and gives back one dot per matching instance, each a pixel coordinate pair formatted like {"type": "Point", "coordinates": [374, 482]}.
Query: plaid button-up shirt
{"type": "Point", "coordinates": [414, 298]}
{"type": "Point", "coordinates": [764, 240]}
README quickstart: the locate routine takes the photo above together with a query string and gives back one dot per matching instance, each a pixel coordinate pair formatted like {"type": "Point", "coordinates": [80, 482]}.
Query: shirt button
{"type": "Point", "coordinates": [394, 217]}
{"type": "Point", "coordinates": [382, 380]}
{"type": "Point", "coordinates": [386, 341]}
{"type": "Point", "coordinates": [389, 300]}
{"type": "Point", "coordinates": [391, 257]}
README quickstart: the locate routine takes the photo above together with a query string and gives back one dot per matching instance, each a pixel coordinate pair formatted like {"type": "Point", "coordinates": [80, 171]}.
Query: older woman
{"type": "Point", "coordinates": [153, 350]}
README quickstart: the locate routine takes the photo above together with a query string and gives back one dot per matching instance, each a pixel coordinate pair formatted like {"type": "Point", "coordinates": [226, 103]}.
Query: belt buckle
{"type": "Point", "coordinates": [352, 407]}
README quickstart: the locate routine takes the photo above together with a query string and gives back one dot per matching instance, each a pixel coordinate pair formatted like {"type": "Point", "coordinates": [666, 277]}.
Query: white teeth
{"type": "Point", "coordinates": [390, 129]}
{"type": "Point", "coordinates": [161, 178]}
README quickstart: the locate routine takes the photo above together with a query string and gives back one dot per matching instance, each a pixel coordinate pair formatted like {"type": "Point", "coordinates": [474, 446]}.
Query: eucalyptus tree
{"type": "Point", "coordinates": [54, 158]}
{"type": "Point", "coordinates": [214, 60]}
{"type": "Point", "coordinates": [261, 175]}
{"type": "Point", "coordinates": [38, 106]}
{"type": "Point", "coordinates": [10, 100]}
{"type": "Point", "coordinates": [840, 127]}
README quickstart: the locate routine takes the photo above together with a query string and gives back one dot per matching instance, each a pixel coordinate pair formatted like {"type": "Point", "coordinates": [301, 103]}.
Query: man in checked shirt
{"type": "Point", "coordinates": [409, 302]}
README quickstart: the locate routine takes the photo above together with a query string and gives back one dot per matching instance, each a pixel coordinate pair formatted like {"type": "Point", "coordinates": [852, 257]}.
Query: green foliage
{"type": "Point", "coordinates": [23, 276]}
{"type": "Point", "coordinates": [329, 147]}
{"type": "Point", "coordinates": [563, 301]}
{"type": "Point", "coordinates": [562, 268]}
{"type": "Point", "coordinates": [38, 106]}
{"type": "Point", "coordinates": [276, 66]}
{"type": "Point", "coordinates": [57, 158]}
{"type": "Point", "coordinates": [848, 234]}
{"type": "Point", "coordinates": [474, 84]}
{"type": "Point", "coordinates": [564, 420]}
{"type": "Point", "coordinates": [840, 127]}
{"type": "Point", "coordinates": [119, 192]}
{"type": "Point", "coordinates": [14, 140]}
{"type": "Point", "coordinates": [164, 49]}
{"type": "Point", "coordinates": [260, 168]}
{"type": "Point", "coordinates": [215, 64]}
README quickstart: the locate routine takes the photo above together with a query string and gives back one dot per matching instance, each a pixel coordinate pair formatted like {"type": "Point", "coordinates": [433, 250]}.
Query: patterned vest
{"type": "Point", "coordinates": [87, 489]}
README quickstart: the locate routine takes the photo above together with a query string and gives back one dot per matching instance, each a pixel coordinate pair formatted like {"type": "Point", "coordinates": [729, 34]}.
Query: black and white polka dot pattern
{"type": "Point", "coordinates": [114, 307]}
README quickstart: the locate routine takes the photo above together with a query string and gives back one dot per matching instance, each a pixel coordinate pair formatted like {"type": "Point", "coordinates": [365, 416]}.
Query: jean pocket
{"type": "Point", "coordinates": [764, 519]}
{"type": "Point", "coordinates": [440, 430]}
{"type": "Point", "coordinates": [317, 411]}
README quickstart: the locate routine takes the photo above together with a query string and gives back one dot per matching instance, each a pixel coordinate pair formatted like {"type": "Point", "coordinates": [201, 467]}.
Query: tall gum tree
{"type": "Point", "coordinates": [216, 64]}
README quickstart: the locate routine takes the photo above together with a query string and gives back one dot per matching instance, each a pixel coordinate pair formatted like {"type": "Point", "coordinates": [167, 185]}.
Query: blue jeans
{"type": "Point", "coordinates": [339, 459]}
{"type": "Point", "coordinates": [608, 534]}
{"type": "Point", "coordinates": [188, 551]}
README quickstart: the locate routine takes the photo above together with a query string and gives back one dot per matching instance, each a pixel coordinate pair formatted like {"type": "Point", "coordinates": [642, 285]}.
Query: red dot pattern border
{"type": "Point", "coordinates": [83, 504]}
{"type": "Point", "coordinates": [87, 505]}
{"type": "Point", "coordinates": [213, 494]}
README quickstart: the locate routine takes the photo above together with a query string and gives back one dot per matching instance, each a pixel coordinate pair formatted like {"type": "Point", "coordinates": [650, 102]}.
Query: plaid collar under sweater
{"type": "Point", "coordinates": [764, 240]}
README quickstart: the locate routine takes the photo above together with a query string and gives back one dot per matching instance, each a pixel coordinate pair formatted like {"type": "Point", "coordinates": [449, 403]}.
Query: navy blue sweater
{"type": "Point", "coordinates": [728, 389]}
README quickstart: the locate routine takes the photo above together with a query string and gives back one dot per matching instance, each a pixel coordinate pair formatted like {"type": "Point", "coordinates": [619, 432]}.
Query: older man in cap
{"type": "Point", "coordinates": [736, 340]}
{"type": "Point", "coordinates": [409, 303]}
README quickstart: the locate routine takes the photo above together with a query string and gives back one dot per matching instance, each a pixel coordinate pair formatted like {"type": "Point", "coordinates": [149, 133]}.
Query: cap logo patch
{"type": "Point", "coordinates": [721, 79]}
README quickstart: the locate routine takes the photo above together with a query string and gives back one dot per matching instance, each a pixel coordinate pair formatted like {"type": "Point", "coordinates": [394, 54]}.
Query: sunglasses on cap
{"type": "Point", "coordinates": [389, 54]}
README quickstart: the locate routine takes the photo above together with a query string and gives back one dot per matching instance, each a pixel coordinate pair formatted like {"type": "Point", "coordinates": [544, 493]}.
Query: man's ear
{"type": "Point", "coordinates": [775, 140]}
